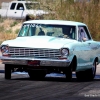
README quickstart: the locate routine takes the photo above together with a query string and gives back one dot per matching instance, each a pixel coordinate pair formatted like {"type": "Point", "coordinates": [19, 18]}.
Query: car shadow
{"type": "Point", "coordinates": [55, 78]}
{"type": "Point", "coordinates": [50, 77]}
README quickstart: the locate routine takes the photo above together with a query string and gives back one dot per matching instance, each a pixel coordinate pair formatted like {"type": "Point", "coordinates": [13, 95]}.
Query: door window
{"type": "Point", "coordinates": [83, 33]}
{"type": "Point", "coordinates": [13, 6]}
{"type": "Point", "coordinates": [20, 6]}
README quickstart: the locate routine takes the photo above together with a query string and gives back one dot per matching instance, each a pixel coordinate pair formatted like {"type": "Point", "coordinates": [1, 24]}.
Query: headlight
{"type": "Point", "coordinates": [64, 52]}
{"type": "Point", "coordinates": [4, 50]}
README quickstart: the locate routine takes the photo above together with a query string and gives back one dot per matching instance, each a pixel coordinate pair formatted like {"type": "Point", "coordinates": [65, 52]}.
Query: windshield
{"type": "Point", "coordinates": [35, 6]}
{"type": "Point", "coordinates": [48, 30]}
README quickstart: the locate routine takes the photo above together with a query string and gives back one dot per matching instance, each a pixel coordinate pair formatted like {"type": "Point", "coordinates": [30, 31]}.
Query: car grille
{"type": "Point", "coordinates": [34, 52]}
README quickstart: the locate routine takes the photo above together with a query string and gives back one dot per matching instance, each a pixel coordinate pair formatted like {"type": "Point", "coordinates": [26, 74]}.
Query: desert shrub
{"type": "Point", "coordinates": [16, 31]}
{"type": "Point", "coordinates": [1, 29]}
{"type": "Point", "coordinates": [8, 31]}
{"type": "Point", "coordinates": [13, 24]}
{"type": "Point", "coordinates": [6, 36]}
{"type": "Point", "coordinates": [1, 19]}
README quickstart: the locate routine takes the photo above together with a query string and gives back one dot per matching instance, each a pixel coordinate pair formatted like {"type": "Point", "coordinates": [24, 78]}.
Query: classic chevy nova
{"type": "Point", "coordinates": [45, 46]}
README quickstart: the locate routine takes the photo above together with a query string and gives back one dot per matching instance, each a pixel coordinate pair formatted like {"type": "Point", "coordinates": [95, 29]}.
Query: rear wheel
{"type": "Point", "coordinates": [27, 18]}
{"type": "Point", "coordinates": [87, 74]}
{"type": "Point", "coordinates": [92, 71]}
{"type": "Point", "coordinates": [7, 71]}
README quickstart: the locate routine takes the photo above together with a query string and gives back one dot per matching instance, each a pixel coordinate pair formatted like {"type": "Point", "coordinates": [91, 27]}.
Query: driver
{"type": "Point", "coordinates": [66, 32]}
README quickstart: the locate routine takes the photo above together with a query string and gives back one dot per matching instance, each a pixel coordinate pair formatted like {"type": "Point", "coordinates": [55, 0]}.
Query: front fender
{"type": "Point", "coordinates": [96, 59]}
{"type": "Point", "coordinates": [73, 62]}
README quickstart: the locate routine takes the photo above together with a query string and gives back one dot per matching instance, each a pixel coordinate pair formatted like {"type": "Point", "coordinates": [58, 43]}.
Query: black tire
{"type": "Point", "coordinates": [34, 74]}
{"type": "Point", "coordinates": [87, 75]}
{"type": "Point", "coordinates": [92, 71]}
{"type": "Point", "coordinates": [27, 18]}
{"type": "Point", "coordinates": [68, 74]}
{"type": "Point", "coordinates": [81, 75]}
{"type": "Point", "coordinates": [7, 71]}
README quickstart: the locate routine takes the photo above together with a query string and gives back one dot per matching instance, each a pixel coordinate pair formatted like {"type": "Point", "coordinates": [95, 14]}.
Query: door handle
{"type": "Point", "coordinates": [89, 43]}
{"type": "Point", "coordinates": [15, 12]}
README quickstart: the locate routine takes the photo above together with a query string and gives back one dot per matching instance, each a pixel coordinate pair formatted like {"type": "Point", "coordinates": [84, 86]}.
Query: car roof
{"type": "Point", "coordinates": [23, 1]}
{"type": "Point", "coordinates": [55, 22]}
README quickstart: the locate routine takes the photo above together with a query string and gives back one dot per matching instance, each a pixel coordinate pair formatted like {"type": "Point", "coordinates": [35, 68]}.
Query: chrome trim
{"type": "Point", "coordinates": [34, 52]}
{"type": "Point", "coordinates": [43, 62]}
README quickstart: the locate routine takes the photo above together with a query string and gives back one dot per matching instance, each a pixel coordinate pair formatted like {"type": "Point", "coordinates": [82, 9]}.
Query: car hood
{"type": "Point", "coordinates": [39, 42]}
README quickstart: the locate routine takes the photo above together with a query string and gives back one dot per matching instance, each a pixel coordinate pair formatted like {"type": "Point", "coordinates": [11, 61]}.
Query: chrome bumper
{"type": "Point", "coordinates": [43, 62]}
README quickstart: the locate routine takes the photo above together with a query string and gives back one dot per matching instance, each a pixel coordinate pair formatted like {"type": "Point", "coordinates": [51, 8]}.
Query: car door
{"type": "Point", "coordinates": [11, 10]}
{"type": "Point", "coordinates": [19, 11]}
{"type": "Point", "coordinates": [86, 55]}
{"type": "Point", "coordinates": [94, 47]}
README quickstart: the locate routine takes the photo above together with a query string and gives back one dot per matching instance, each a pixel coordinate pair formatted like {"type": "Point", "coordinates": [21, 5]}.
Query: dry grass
{"type": "Point", "coordinates": [87, 12]}
{"type": "Point", "coordinates": [7, 31]}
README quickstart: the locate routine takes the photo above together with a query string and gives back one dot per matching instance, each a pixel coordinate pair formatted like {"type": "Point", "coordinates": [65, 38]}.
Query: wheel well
{"type": "Point", "coordinates": [30, 17]}
{"type": "Point", "coordinates": [74, 63]}
{"type": "Point", "coordinates": [27, 18]}
{"type": "Point", "coordinates": [96, 60]}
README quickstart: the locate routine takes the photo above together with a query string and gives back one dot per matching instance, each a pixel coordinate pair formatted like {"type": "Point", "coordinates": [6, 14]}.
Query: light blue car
{"type": "Point", "coordinates": [45, 46]}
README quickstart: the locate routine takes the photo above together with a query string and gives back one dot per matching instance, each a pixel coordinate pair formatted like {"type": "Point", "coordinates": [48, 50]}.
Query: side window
{"type": "Point", "coordinates": [83, 33]}
{"type": "Point", "coordinates": [20, 6]}
{"type": "Point", "coordinates": [13, 6]}
{"type": "Point", "coordinates": [87, 33]}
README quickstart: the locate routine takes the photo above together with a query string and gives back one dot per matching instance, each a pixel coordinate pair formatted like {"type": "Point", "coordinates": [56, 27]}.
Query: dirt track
{"type": "Point", "coordinates": [20, 87]}
{"type": "Point", "coordinates": [50, 88]}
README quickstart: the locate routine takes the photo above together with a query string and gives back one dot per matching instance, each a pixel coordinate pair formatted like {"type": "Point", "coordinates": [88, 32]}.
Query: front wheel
{"type": "Point", "coordinates": [68, 74]}
{"type": "Point", "coordinates": [7, 71]}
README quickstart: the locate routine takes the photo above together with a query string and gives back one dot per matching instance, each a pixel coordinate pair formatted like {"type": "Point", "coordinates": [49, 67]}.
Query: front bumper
{"type": "Point", "coordinates": [42, 62]}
